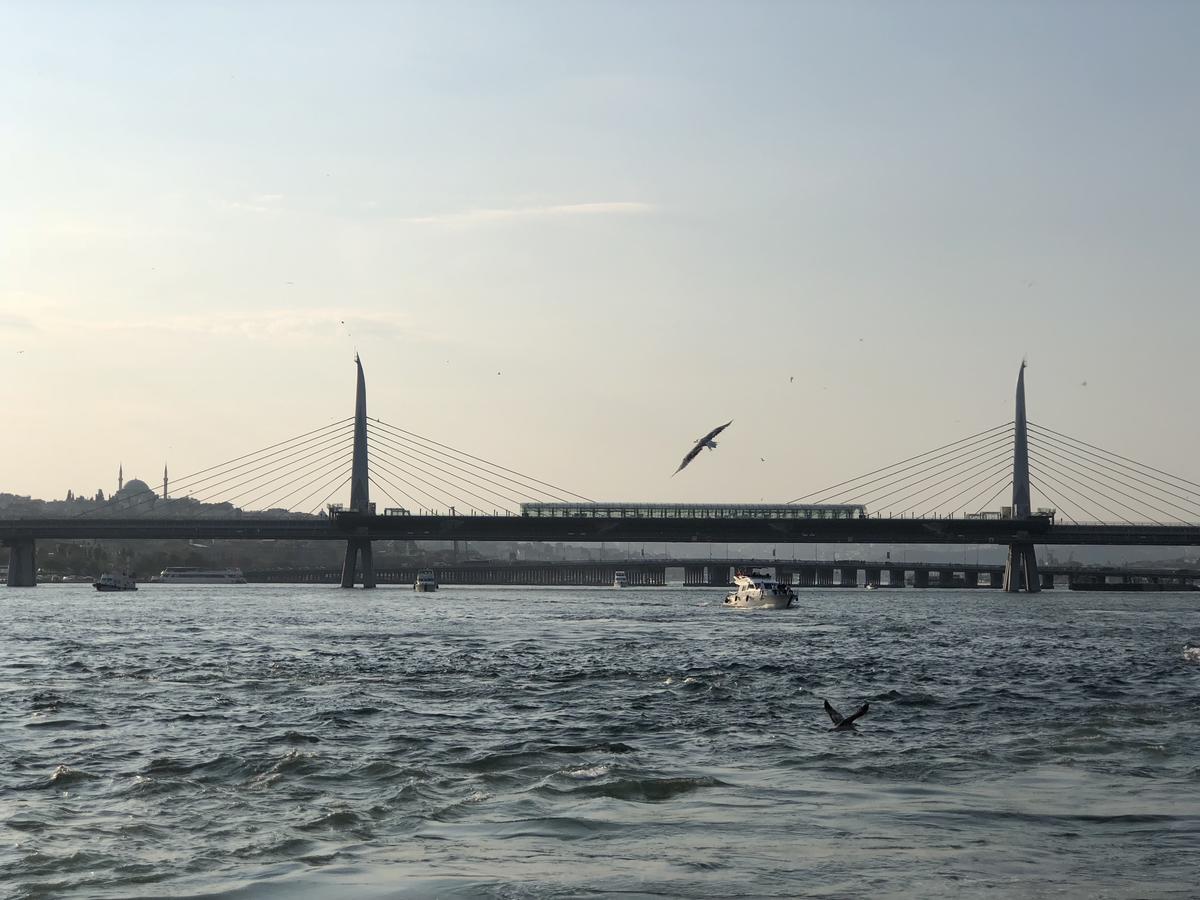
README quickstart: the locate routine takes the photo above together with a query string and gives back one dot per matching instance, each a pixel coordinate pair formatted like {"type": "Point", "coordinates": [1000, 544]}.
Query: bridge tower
{"type": "Point", "coordinates": [359, 547]}
{"type": "Point", "coordinates": [1021, 571]}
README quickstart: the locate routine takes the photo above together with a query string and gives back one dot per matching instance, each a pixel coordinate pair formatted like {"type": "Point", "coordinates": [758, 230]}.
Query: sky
{"type": "Point", "coordinates": [571, 238]}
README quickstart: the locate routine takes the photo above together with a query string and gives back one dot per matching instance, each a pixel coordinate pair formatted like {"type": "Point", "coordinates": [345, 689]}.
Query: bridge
{"type": "Point", "coordinates": [427, 473]}
{"type": "Point", "coordinates": [696, 572]}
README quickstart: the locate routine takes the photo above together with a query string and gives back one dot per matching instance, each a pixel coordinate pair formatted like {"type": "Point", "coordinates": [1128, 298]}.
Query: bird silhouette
{"type": "Point", "coordinates": [706, 441]}
{"type": "Point", "coordinates": [845, 723]}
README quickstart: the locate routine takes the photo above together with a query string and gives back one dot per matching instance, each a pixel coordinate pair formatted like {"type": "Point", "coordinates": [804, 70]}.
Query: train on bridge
{"type": "Point", "coordinates": [629, 510]}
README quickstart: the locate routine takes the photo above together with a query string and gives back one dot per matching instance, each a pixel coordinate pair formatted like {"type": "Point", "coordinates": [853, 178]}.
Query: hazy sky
{"type": "Point", "coordinates": [649, 218]}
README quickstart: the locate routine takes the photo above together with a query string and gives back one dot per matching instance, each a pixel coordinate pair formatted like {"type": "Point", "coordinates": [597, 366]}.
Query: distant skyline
{"type": "Point", "coordinates": [571, 238]}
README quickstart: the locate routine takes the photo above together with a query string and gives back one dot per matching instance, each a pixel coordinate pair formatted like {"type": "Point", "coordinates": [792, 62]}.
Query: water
{"type": "Point", "coordinates": [284, 742]}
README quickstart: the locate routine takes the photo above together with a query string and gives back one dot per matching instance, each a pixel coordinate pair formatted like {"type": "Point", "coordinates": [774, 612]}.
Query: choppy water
{"type": "Point", "coordinates": [275, 741]}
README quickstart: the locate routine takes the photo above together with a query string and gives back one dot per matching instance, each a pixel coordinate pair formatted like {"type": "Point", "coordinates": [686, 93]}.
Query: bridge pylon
{"type": "Point", "coordinates": [359, 547]}
{"type": "Point", "coordinates": [1021, 569]}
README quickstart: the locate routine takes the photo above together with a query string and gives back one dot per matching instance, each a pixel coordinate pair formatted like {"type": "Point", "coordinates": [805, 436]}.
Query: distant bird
{"type": "Point", "coordinates": [762, 459]}
{"type": "Point", "coordinates": [845, 723]}
{"type": "Point", "coordinates": [706, 441]}
{"type": "Point", "coordinates": [791, 378]}
{"type": "Point", "coordinates": [1083, 384]}
{"type": "Point", "coordinates": [497, 373]}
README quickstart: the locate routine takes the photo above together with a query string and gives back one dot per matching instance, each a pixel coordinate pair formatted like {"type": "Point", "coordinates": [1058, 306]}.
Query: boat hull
{"type": "Point", "coordinates": [769, 601]}
{"type": "Point", "coordinates": [109, 588]}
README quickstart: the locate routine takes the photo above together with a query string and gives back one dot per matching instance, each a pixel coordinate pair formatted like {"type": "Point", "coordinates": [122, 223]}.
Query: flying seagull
{"type": "Point", "coordinates": [845, 723]}
{"type": "Point", "coordinates": [706, 441]}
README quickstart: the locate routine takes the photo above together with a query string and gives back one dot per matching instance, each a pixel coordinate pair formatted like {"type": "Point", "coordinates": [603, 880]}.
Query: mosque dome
{"type": "Point", "coordinates": [135, 487]}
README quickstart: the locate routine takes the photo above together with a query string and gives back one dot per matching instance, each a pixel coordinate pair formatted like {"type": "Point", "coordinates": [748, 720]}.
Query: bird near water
{"type": "Point", "coordinates": [845, 723]}
{"type": "Point", "coordinates": [706, 441]}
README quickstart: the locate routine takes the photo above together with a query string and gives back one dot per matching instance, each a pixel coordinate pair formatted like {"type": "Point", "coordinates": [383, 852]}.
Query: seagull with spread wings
{"type": "Point", "coordinates": [706, 441]}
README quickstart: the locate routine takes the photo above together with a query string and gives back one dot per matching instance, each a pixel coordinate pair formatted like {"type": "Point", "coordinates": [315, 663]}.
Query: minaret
{"type": "Point", "coordinates": [164, 481]}
{"type": "Point", "coordinates": [120, 476]}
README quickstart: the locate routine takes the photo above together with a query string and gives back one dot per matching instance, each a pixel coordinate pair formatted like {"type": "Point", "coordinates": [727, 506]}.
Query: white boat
{"type": "Point", "coordinates": [115, 581]}
{"type": "Point", "coordinates": [426, 581]}
{"type": "Point", "coordinates": [196, 575]}
{"type": "Point", "coordinates": [757, 592]}
{"type": "Point", "coordinates": [620, 579]}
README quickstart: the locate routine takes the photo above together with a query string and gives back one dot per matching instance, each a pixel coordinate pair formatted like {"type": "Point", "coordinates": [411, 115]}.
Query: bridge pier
{"type": "Point", "coordinates": [971, 578]}
{"type": "Point", "coordinates": [22, 563]}
{"type": "Point", "coordinates": [356, 548]}
{"type": "Point", "coordinates": [848, 576]}
{"type": "Point", "coordinates": [920, 578]}
{"type": "Point", "coordinates": [1047, 581]}
{"type": "Point", "coordinates": [895, 578]}
{"type": "Point", "coordinates": [1021, 570]}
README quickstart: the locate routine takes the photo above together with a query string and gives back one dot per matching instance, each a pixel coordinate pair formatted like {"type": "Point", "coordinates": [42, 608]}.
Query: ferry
{"type": "Point", "coordinates": [115, 581]}
{"type": "Point", "coordinates": [620, 579]}
{"type": "Point", "coordinates": [758, 592]}
{"type": "Point", "coordinates": [196, 575]}
{"type": "Point", "coordinates": [426, 581]}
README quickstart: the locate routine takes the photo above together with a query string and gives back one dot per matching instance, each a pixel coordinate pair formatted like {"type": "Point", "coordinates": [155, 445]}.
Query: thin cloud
{"type": "Point", "coordinates": [525, 213]}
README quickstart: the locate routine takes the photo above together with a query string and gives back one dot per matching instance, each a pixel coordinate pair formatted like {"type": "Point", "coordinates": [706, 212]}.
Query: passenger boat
{"type": "Point", "coordinates": [115, 581]}
{"type": "Point", "coordinates": [196, 575]}
{"type": "Point", "coordinates": [757, 592]}
{"type": "Point", "coordinates": [620, 579]}
{"type": "Point", "coordinates": [426, 581]}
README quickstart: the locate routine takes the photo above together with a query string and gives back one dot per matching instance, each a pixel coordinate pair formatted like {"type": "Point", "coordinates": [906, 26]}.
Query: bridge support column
{"type": "Point", "coordinates": [356, 548]}
{"type": "Point", "coordinates": [920, 578]}
{"type": "Point", "coordinates": [848, 576]}
{"type": "Point", "coordinates": [807, 576]}
{"type": "Point", "coordinates": [1047, 581]}
{"type": "Point", "coordinates": [971, 578]}
{"type": "Point", "coordinates": [995, 577]}
{"type": "Point", "coordinates": [824, 576]}
{"type": "Point", "coordinates": [895, 577]}
{"type": "Point", "coordinates": [1021, 571]}
{"type": "Point", "coordinates": [945, 578]}
{"type": "Point", "coordinates": [22, 564]}
{"type": "Point", "coordinates": [873, 576]}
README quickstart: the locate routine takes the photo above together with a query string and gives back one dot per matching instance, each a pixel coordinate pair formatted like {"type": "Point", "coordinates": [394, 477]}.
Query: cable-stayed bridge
{"type": "Point", "coordinates": [1059, 490]}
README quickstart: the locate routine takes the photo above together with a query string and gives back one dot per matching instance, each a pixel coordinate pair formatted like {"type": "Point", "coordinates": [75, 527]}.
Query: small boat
{"type": "Point", "coordinates": [115, 581]}
{"type": "Point", "coordinates": [426, 581]}
{"type": "Point", "coordinates": [757, 592]}
{"type": "Point", "coordinates": [620, 579]}
{"type": "Point", "coordinates": [872, 586]}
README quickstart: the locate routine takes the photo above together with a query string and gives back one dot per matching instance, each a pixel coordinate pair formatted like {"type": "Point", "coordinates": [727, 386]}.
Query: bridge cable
{"type": "Point", "coordinates": [1003, 487]}
{"type": "Point", "coordinates": [956, 477]}
{"type": "Point", "coordinates": [375, 482]}
{"type": "Point", "coordinates": [1079, 468]}
{"type": "Point", "coordinates": [990, 452]}
{"type": "Point", "coordinates": [448, 460]}
{"type": "Point", "coordinates": [908, 481]}
{"type": "Point", "coordinates": [442, 484]}
{"type": "Point", "coordinates": [989, 433]}
{"type": "Point", "coordinates": [490, 464]}
{"type": "Point", "coordinates": [406, 455]}
{"type": "Point", "coordinates": [1082, 479]}
{"type": "Point", "coordinates": [343, 463]}
{"type": "Point", "coordinates": [345, 481]}
{"type": "Point", "coordinates": [974, 482]}
{"type": "Point", "coordinates": [391, 471]}
{"type": "Point", "coordinates": [1086, 510]}
{"type": "Point", "coordinates": [1057, 504]}
{"type": "Point", "coordinates": [251, 482]}
{"type": "Point", "coordinates": [310, 448]}
{"type": "Point", "coordinates": [1119, 456]}
{"type": "Point", "coordinates": [1081, 490]}
{"type": "Point", "coordinates": [1157, 485]}
{"type": "Point", "coordinates": [191, 481]}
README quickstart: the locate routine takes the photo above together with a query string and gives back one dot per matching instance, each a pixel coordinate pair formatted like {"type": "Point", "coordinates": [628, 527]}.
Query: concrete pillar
{"type": "Point", "coordinates": [995, 578]}
{"type": "Point", "coordinates": [824, 576]}
{"type": "Point", "coordinates": [357, 548]}
{"type": "Point", "coordinates": [896, 577]}
{"type": "Point", "coordinates": [848, 576]}
{"type": "Point", "coordinates": [1021, 571]}
{"type": "Point", "coordinates": [1047, 581]}
{"type": "Point", "coordinates": [921, 578]}
{"type": "Point", "coordinates": [807, 576]}
{"type": "Point", "coordinates": [945, 578]}
{"type": "Point", "coordinates": [873, 576]}
{"type": "Point", "coordinates": [22, 563]}
{"type": "Point", "coordinates": [971, 578]}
